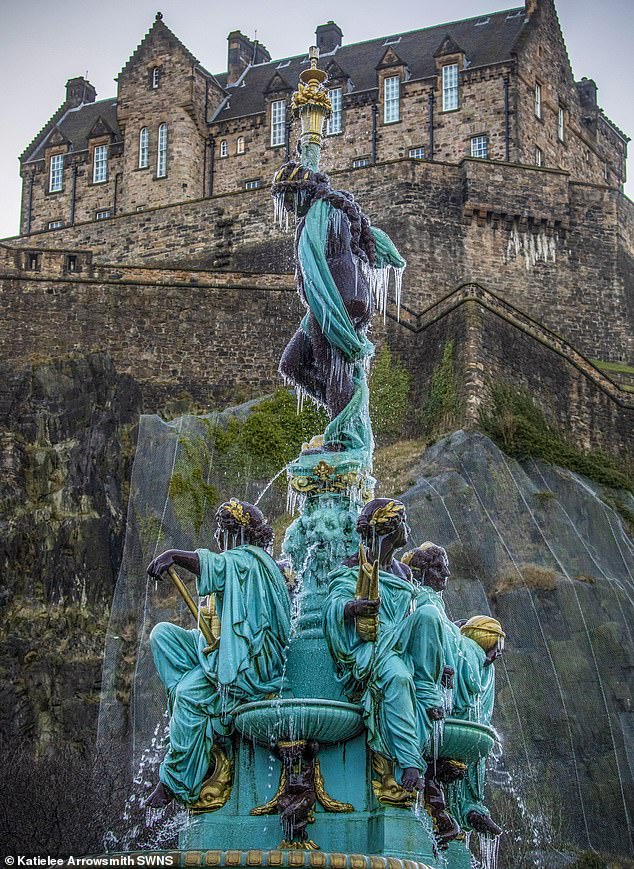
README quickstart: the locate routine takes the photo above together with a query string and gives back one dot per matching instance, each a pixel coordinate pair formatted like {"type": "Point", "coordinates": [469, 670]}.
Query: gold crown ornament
{"type": "Point", "coordinates": [485, 631]}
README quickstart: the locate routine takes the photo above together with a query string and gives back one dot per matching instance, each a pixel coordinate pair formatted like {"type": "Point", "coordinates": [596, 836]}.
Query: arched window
{"type": "Point", "coordinates": [161, 160]}
{"type": "Point", "coordinates": [240, 145]}
{"type": "Point", "coordinates": [224, 150]}
{"type": "Point", "coordinates": [144, 148]}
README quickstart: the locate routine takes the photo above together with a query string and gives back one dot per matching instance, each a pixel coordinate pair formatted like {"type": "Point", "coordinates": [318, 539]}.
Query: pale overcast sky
{"type": "Point", "coordinates": [42, 44]}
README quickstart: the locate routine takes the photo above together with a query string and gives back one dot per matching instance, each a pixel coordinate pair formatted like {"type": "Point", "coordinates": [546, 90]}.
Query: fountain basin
{"type": "Point", "coordinates": [466, 741]}
{"type": "Point", "coordinates": [327, 721]}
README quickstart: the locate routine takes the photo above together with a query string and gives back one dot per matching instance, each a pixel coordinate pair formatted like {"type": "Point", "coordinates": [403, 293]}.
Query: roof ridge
{"type": "Point", "coordinates": [445, 24]}
{"type": "Point", "coordinates": [39, 137]}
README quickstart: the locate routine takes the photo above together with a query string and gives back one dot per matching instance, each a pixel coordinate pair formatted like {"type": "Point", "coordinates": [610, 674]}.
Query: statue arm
{"type": "Point", "coordinates": [171, 557]}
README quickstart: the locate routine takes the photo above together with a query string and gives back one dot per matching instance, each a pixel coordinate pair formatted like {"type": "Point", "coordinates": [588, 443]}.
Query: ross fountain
{"type": "Point", "coordinates": [337, 687]}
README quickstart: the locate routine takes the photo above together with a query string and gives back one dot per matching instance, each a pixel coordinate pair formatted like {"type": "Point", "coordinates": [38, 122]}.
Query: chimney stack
{"type": "Point", "coordinates": [241, 53]}
{"type": "Point", "coordinates": [328, 37]}
{"type": "Point", "coordinates": [78, 91]}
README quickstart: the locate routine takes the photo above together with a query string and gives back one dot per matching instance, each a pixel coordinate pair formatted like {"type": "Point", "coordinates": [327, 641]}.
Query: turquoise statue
{"type": "Point", "coordinates": [471, 647]}
{"type": "Point", "coordinates": [395, 670]}
{"type": "Point", "coordinates": [204, 683]}
{"type": "Point", "coordinates": [338, 671]}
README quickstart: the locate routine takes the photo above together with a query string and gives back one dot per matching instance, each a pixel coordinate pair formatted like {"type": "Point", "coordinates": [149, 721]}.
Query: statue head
{"type": "Point", "coordinates": [485, 631]}
{"type": "Point", "coordinates": [382, 524]}
{"type": "Point", "coordinates": [429, 565]}
{"type": "Point", "coordinates": [239, 523]}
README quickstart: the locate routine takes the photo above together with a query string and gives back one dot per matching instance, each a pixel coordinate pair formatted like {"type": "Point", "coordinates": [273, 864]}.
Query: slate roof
{"type": "Point", "coordinates": [76, 124]}
{"type": "Point", "coordinates": [485, 40]}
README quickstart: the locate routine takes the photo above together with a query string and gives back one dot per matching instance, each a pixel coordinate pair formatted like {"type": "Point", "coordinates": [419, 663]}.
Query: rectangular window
{"type": "Point", "coordinates": [480, 147]}
{"type": "Point", "coordinates": [57, 170]}
{"type": "Point", "coordinates": [450, 87]}
{"type": "Point", "coordinates": [539, 157]}
{"type": "Point", "coordinates": [360, 162]}
{"type": "Point", "coordinates": [100, 164]}
{"type": "Point", "coordinates": [333, 124]}
{"type": "Point", "coordinates": [161, 155]}
{"type": "Point", "coordinates": [538, 100]}
{"type": "Point", "coordinates": [33, 262]}
{"type": "Point", "coordinates": [104, 214]}
{"type": "Point", "coordinates": [417, 153]}
{"type": "Point", "coordinates": [278, 122]}
{"type": "Point", "coordinates": [54, 224]}
{"type": "Point", "coordinates": [391, 109]}
{"type": "Point", "coordinates": [252, 185]}
{"type": "Point", "coordinates": [144, 148]}
{"type": "Point", "coordinates": [71, 262]}
{"type": "Point", "coordinates": [560, 124]}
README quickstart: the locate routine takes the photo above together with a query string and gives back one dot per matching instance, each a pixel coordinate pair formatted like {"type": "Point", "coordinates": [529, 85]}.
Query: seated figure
{"type": "Point", "coordinates": [470, 649]}
{"type": "Point", "coordinates": [394, 669]}
{"type": "Point", "coordinates": [205, 684]}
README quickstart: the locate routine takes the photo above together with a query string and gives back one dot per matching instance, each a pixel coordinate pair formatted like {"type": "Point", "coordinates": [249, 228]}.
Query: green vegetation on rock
{"type": "Point", "coordinates": [520, 429]}
{"type": "Point", "coordinates": [390, 384]}
{"type": "Point", "coordinates": [440, 412]}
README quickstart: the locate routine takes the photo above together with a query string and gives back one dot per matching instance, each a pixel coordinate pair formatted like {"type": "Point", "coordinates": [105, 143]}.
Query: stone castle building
{"type": "Point", "coordinates": [146, 225]}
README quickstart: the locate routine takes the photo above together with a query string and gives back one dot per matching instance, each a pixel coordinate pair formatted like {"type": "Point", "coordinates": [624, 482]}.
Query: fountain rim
{"type": "Point", "coordinates": [302, 701]}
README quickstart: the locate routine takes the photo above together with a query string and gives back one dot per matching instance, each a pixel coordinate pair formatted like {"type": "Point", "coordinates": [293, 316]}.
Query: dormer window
{"type": "Point", "coordinates": [56, 173]}
{"type": "Point", "coordinates": [224, 148]}
{"type": "Point", "coordinates": [100, 164]}
{"type": "Point", "coordinates": [450, 87]}
{"type": "Point", "coordinates": [391, 108]}
{"type": "Point", "coordinates": [155, 77]}
{"type": "Point", "coordinates": [333, 124]}
{"type": "Point", "coordinates": [278, 122]}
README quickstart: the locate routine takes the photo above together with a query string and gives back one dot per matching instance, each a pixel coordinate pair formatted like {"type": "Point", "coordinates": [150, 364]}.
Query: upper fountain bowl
{"type": "Point", "coordinates": [327, 721]}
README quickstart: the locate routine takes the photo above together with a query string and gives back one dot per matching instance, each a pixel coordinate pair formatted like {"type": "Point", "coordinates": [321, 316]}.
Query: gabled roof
{"type": "Point", "coordinates": [485, 40]}
{"type": "Point", "coordinates": [77, 124]}
{"type": "Point", "coordinates": [159, 30]}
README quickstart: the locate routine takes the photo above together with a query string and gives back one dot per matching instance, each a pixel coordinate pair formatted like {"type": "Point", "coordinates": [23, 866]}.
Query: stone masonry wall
{"type": "Point", "coordinates": [553, 248]}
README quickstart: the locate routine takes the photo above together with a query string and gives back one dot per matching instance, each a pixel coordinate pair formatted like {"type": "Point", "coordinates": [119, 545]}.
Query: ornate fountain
{"type": "Point", "coordinates": [304, 775]}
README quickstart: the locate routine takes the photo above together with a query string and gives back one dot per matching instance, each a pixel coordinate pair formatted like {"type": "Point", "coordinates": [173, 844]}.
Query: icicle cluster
{"type": "Point", "coordinates": [379, 281]}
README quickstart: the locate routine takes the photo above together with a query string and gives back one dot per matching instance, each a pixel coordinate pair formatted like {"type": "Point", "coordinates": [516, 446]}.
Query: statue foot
{"type": "Point", "coordinates": [482, 823]}
{"type": "Point", "coordinates": [160, 797]}
{"type": "Point", "coordinates": [447, 829]}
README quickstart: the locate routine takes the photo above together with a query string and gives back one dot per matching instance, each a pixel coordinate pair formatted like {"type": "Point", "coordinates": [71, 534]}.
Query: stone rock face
{"type": "Point", "coordinates": [66, 441]}
{"type": "Point", "coordinates": [536, 547]}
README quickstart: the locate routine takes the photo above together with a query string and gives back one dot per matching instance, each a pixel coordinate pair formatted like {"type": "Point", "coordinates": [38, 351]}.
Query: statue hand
{"type": "Point", "coordinates": [412, 779]}
{"type": "Point", "coordinates": [161, 563]}
{"type": "Point", "coordinates": [436, 713]}
{"type": "Point", "coordinates": [492, 655]}
{"type": "Point", "coordinates": [362, 607]}
{"type": "Point", "coordinates": [446, 679]}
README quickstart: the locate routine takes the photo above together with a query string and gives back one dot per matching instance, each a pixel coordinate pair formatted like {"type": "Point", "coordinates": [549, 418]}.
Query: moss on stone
{"type": "Point", "coordinates": [440, 411]}
{"type": "Point", "coordinates": [390, 384]}
{"type": "Point", "coordinates": [520, 429]}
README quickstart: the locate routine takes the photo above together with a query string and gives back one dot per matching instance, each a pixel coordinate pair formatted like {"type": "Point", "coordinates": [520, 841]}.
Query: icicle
{"type": "Point", "coordinates": [398, 286]}
{"type": "Point", "coordinates": [489, 847]}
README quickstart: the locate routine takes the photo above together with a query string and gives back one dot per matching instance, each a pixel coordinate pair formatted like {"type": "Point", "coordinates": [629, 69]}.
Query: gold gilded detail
{"type": "Point", "coordinates": [237, 511]}
{"type": "Point", "coordinates": [216, 789]}
{"type": "Point", "coordinates": [192, 858]}
{"type": "Point", "coordinates": [275, 858]}
{"type": "Point", "coordinates": [384, 515]}
{"type": "Point", "coordinates": [323, 471]}
{"type": "Point", "coordinates": [357, 861]}
{"type": "Point", "coordinates": [367, 589]}
{"type": "Point", "coordinates": [317, 859]}
{"type": "Point", "coordinates": [297, 858]}
{"type": "Point", "coordinates": [387, 790]}
{"type": "Point", "coordinates": [338, 861]}
{"type": "Point", "coordinates": [254, 858]}
{"type": "Point", "coordinates": [212, 858]}
{"type": "Point", "coordinates": [270, 807]}
{"type": "Point", "coordinates": [323, 481]}
{"type": "Point", "coordinates": [328, 803]}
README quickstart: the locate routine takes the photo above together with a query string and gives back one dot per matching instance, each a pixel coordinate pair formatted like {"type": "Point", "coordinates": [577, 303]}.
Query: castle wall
{"type": "Point", "coordinates": [546, 244]}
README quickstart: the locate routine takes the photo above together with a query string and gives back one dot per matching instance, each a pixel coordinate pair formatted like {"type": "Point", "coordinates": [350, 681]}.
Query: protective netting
{"type": "Point", "coordinates": [533, 545]}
